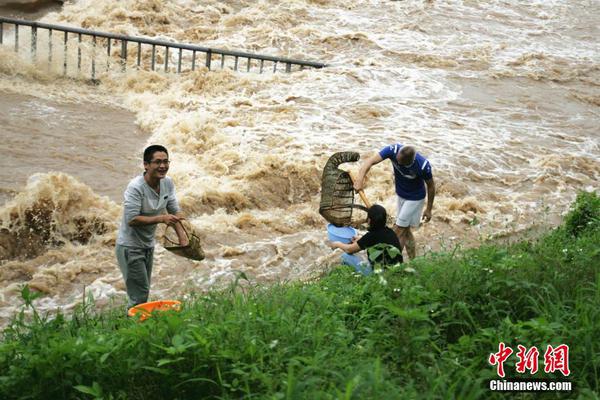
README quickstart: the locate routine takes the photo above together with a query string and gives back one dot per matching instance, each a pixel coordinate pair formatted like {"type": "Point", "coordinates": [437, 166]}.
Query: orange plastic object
{"type": "Point", "coordinates": [145, 310]}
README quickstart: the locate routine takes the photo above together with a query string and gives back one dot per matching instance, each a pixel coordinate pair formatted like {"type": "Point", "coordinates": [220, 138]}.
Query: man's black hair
{"type": "Point", "coordinates": [377, 216]}
{"type": "Point", "coordinates": [150, 150]}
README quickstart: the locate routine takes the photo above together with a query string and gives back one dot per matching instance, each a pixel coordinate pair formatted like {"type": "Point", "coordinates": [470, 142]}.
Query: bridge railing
{"type": "Point", "coordinates": [95, 52]}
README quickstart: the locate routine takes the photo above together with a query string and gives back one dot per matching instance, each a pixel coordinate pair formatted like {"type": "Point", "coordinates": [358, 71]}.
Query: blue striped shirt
{"type": "Point", "coordinates": [410, 181]}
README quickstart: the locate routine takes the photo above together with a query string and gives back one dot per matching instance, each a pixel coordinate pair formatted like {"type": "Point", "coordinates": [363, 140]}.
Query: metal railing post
{"type": "Point", "coordinates": [34, 43]}
{"type": "Point", "coordinates": [193, 60]}
{"type": "Point", "coordinates": [222, 60]}
{"type": "Point", "coordinates": [235, 64]}
{"type": "Point", "coordinates": [65, 54]}
{"type": "Point", "coordinates": [50, 48]}
{"type": "Point", "coordinates": [93, 57]}
{"type": "Point", "coordinates": [79, 52]}
{"type": "Point", "coordinates": [1, 32]}
{"type": "Point", "coordinates": [179, 61]}
{"type": "Point", "coordinates": [153, 56]}
{"type": "Point", "coordinates": [208, 58]}
{"type": "Point", "coordinates": [139, 54]}
{"type": "Point", "coordinates": [16, 38]}
{"type": "Point", "coordinates": [166, 58]}
{"type": "Point", "coordinates": [108, 55]}
{"type": "Point", "coordinates": [123, 55]}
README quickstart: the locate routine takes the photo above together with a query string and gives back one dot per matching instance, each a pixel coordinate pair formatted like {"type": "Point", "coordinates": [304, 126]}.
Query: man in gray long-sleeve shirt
{"type": "Point", "coordinates": [146, 198]}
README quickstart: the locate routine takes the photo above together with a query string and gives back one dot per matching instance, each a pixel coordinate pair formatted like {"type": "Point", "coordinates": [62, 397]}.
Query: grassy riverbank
{"type": "Point", "coordinates": [400, 334]}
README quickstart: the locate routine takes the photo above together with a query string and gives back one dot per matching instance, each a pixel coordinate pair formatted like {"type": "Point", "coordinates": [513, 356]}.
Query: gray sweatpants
{"type": "Point", "coordinates": [136, 267]}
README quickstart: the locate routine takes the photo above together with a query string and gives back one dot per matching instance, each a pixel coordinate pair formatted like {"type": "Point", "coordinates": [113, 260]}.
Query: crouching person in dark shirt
{"type": "Point", "coordinates": [378, 234]}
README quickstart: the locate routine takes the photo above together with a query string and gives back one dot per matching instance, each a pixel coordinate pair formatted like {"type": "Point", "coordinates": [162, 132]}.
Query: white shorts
{"type": "Point", "coordinates": [409, 212]}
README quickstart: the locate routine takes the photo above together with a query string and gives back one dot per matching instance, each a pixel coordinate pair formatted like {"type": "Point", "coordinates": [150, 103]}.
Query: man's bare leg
{"type": "Point", "coordinates": [411, 247]}
{"type": "Point", "coordinates": [407, 240]}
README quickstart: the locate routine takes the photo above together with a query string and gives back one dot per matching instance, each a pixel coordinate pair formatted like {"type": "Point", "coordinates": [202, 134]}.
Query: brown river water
{"type": "Point", "coordinates": [503, 97]}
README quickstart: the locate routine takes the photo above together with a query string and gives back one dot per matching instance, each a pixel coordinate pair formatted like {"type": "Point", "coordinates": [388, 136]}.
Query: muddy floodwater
{"type": "Point", "coordinates": [98, 145]}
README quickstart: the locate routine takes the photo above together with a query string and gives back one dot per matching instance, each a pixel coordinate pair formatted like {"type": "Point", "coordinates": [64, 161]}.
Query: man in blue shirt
{"type": "Point", "coordinates": [412, 174]}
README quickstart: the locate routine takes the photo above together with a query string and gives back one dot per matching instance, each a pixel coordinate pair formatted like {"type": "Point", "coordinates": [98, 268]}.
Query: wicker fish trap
{"type": "Point", "coordinates": [192, 251]}
{"type": "Point", "coordinates": [337, 190]}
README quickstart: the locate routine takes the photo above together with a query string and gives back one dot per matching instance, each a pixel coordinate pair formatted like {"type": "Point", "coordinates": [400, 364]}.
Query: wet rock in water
{"type": "Point", "coordinates": [20, 244]}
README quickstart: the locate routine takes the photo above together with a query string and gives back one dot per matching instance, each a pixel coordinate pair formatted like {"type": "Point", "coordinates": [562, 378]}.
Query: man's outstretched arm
{"type": "Point", "coordinates": [364, 169]}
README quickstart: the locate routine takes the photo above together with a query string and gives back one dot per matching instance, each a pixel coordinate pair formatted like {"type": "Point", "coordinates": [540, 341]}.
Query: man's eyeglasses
{"type": "Point", "coordinates": [159, 162]}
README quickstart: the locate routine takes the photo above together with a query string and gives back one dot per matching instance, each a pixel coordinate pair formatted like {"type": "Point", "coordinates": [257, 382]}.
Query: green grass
{"type": "Point", "coordinates": [396, 335]}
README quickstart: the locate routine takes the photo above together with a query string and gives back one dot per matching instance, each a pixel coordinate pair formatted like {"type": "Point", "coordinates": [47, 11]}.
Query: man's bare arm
{"type": "Point", "coordinates": [168, 219]}
{"type": "Point", "coordinates": [359, 180]}
{"type": "Point", "coordinates": [430, 197]}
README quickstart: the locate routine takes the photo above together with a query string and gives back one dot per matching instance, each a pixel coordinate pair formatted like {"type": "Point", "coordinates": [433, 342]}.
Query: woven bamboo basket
{"type": "Point", "coordinates": [192, 251]}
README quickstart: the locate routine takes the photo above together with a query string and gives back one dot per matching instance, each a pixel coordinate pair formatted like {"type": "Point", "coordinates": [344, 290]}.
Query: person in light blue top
{"type": "Point", "coordinates": [148, 200]}
{"type": "Point", "coordinates": [414, 182]}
